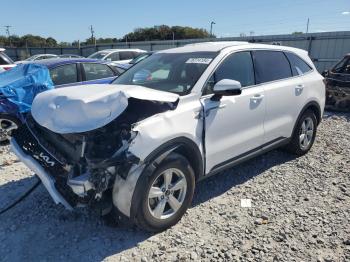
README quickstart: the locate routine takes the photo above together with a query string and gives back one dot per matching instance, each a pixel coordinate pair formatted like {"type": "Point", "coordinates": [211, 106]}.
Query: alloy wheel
{"type": "Point", "coordinates": [306, 133]}
{"type": "Point", "coordinates": [6, 128]}
{"type": "Point", "coordinates": [167, 193]}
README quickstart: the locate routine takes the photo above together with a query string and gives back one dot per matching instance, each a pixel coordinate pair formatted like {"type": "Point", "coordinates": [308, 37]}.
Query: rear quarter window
{"type": "Point", "coordinates": [271, 66]}
{"type": "Point", "coordinates": [299, 66]}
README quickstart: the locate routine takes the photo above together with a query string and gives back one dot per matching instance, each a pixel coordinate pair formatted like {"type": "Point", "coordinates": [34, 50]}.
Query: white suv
{"type": "Point", "coordinates": [122, 56]}
{"type": "Point", "coordinates": [181, 115]}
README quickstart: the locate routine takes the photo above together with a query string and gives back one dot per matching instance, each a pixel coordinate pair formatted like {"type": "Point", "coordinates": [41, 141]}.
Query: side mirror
{"type": "Point", "coordinates": [226, 87]}
{"type": "Point", "coordinates": [324, 73]}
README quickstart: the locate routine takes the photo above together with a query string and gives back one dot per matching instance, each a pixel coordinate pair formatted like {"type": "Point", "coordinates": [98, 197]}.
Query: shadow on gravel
{"type": "Point", "coordinates": [11, 191]}
{"type": "Point", "coordinates": [37, 229]}
{"type": "Point", "coordinates": [222, 182]}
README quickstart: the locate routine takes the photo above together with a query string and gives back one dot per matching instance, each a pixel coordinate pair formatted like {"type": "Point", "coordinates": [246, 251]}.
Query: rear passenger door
{"type": "Point", "coordinates": [283, 93]}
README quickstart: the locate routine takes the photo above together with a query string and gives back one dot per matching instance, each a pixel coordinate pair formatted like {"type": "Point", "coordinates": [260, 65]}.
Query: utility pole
{"type": "Point", "coordinates": [8, 32]}
{"type": "Point", "coordinates": [92, 34]}
{"type": "Point", "coordinates": [307, 25]}
{"type": "Point", "coordinates": [211, 28]}
{"type": "Point", "coordinates": [173, 38]}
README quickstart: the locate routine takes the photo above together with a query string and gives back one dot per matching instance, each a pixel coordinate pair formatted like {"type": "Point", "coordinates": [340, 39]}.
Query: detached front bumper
{"type": "Point", "coordinates": [45, 178]}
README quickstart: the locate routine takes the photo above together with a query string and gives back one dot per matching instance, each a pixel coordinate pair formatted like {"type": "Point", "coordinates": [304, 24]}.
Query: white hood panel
{"type": "Point", "coordinates": [84, 108]}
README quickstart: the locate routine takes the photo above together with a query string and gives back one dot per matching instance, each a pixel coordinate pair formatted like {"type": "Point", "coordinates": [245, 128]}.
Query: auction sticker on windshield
{"type": "Point", "coordinates": [199, 61]}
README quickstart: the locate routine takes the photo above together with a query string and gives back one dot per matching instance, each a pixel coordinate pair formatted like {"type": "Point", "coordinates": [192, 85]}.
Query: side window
{"type": "Point", "coordinates": [271, 66]}
{"type": "Point", "coordinates": [299, 66]}
{"type": "Point", "coordinates": [96, 71]}
{"type": "Point", "coordinates": [125, 55]}
{"type": "Point", "coordinates": [238, 66]}
{"type": "Point", "coordinates": [65, 74]}
{"type": "Point", "coordinates": [114, 56]}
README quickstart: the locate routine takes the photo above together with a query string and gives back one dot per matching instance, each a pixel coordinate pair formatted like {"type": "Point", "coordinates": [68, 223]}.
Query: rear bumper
{"type": "Point", "coordinates": [45, 178]}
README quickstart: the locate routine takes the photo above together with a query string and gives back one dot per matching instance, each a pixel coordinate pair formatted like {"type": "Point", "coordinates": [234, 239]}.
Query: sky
{"type": "Point", "coordinates": [69, 20]}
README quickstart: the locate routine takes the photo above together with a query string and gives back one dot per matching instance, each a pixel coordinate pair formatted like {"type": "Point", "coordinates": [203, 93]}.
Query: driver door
{"type": "Point", "coordinates": [234, 125]}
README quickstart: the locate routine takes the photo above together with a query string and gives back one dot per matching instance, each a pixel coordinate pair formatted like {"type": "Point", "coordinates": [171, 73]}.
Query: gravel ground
{"type": "Point", "coordinates": [300, 212]}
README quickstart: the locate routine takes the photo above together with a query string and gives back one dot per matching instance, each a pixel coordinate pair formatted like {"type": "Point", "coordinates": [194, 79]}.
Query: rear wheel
{"type": "Point", "coordinates": [304, 134]}
{"type": "Point", "coordinates": [165, 195]}
{"type": "Point", "coordinates": [7, 125]}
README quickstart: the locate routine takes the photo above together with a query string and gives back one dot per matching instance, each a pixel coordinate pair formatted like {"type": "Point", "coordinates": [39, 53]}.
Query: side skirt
{"type": "Point", "coordinates": [276, 143]}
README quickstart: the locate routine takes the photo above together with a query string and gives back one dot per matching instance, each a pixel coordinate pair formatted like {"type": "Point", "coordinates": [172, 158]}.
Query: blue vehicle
{"type": "Point", "coordinates": [63, 72]}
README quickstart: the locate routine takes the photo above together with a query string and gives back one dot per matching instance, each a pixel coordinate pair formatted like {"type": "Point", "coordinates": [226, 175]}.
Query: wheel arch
{"type": "Point", "coordinates": [183, 146]}
{"type": "Point", "coordinates": [314, 107]}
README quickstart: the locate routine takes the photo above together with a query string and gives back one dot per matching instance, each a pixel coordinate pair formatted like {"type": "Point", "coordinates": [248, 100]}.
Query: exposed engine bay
{"type": "Point", "coordinates": [84, 165]}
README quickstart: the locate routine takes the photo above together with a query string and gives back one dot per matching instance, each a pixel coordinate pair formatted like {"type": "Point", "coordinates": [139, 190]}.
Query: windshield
{"type": "Point", "coordinates": [98, 55]}
{"type": "Point", "coordinates": [171, 72]}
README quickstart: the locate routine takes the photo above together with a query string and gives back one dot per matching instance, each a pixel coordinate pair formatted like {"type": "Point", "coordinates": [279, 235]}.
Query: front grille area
{"type": "Point", "coordinates": [30, 146]}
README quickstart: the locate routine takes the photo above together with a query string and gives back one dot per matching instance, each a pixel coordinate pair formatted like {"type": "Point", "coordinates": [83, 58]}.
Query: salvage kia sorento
{"type": "Point", "coordinates": [178, 116]}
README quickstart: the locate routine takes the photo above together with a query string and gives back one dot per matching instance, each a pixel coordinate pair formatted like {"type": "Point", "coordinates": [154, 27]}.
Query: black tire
{"type": "Point", "coordinates": [10, 118]}
{"type": "Point", "coordinates": [142, 216]}
{"type": "Point", "coordinates": [294, 146]}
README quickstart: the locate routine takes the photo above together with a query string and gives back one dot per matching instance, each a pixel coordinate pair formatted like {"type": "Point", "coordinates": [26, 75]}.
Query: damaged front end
{"type": "Point", "coordinates": [80, 168]}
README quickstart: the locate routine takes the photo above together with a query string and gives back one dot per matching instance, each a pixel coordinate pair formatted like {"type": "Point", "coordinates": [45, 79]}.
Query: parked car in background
{"type": "Point", "coordinates": [121, 56]}
{"type": "Point", "coordinates": [136, 60]}
{"type": "Point", "coordinates": [63, 72]}
{"type": "Point", "coordinates": [37, 57]}
{"type": "Point", "coordinates": [141, 144]}
{"type": "Point", "coordinates": [6, 62]}
{"type": "Point", "coordinates": [70, 56]}
{"type": "Point", "coordinates": [338, 86]}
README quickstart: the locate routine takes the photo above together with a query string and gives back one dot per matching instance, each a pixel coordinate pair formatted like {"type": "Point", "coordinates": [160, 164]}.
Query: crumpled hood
{"type": "Point", "coordinates": [77, 109]}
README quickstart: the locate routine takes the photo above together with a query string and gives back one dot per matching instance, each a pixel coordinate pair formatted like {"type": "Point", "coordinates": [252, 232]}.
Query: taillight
{"type": "Point", "coordinates": [7, 68]}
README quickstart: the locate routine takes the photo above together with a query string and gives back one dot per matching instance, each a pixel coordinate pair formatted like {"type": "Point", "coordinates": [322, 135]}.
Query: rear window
{"type": "Point", "coordinates": [271, 66]}
{"type": "Point", "coordinates": [299, 66]}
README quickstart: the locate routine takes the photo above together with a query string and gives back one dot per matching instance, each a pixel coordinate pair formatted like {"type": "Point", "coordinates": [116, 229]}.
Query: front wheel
{"type": "Point", "coordinates": [7, 125]}
{"type": "Point", "coordinates": [165, 195]}
{"type": "Point", "coordinates": [304, 134]}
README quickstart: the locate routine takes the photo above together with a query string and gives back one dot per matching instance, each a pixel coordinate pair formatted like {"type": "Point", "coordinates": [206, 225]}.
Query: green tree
{"type": "Point", "coordinates": [164, 32]}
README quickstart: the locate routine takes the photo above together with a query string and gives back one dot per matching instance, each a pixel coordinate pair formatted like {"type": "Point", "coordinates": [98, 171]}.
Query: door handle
{"type": "Point", "coordinates": [299, 88]}
{"type": "Point", "coordinates": [257, 98]}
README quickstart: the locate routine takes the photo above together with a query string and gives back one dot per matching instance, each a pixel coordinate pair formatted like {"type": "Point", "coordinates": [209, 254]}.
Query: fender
{"type": "Point", "coordinates": [124, 190]}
